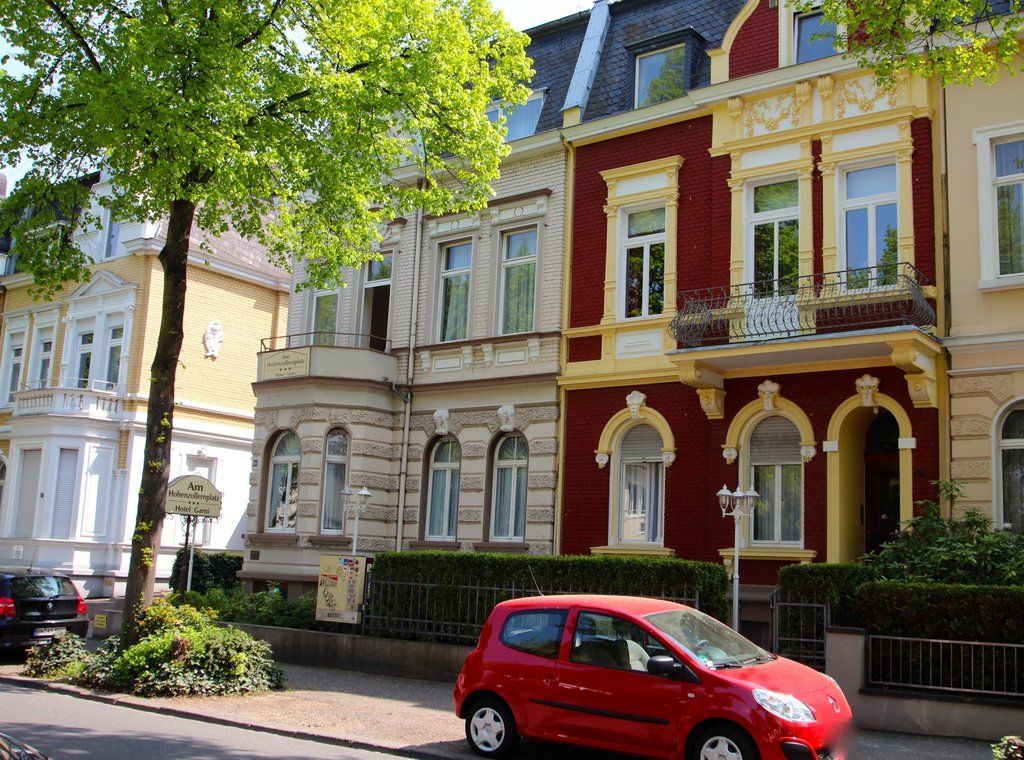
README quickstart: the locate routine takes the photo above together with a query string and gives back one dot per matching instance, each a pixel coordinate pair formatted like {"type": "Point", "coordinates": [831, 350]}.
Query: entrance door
{"type": "Point", "coordinates": [881, 481]}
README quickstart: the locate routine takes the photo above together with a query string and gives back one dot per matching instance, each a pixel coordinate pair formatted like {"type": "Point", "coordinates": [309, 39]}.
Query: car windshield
{"type": "Point", "coordinates": [710, 642]}
{"type": "Point", "coordinates": [41, 587]}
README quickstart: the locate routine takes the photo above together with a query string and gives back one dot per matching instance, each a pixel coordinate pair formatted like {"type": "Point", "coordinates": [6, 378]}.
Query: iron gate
{"type": "Point", "coordinates": [798, 626]}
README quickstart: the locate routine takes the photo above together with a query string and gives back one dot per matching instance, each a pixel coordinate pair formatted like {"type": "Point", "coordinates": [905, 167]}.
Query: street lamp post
{"type": "Point", "coordinates": [362, 500]}
{"type": "Point", "coordinates": [736, 505]}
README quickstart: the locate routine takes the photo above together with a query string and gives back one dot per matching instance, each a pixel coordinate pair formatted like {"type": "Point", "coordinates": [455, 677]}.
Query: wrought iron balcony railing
{"type": "Point", "coordinates": [889, 295]}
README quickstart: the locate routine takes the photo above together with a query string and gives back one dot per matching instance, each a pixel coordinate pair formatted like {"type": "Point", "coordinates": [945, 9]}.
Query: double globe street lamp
{"type": "Point", "coordinates": [737, 505]}
{"type": "Point", "coordinates": [362, 500]}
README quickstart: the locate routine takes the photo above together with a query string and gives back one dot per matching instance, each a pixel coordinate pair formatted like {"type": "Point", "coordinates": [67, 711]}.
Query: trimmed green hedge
{"type": "Point", "coordinates": [942, 611]}
{"type": "Point", "coordinates": [636, 576]}
{"type": "Point", "coordinates": [209, 570]}
{"type": "Point", "coordinates": [834, 584]}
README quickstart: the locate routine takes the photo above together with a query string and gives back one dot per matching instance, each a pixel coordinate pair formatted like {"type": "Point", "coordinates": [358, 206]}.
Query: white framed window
{"type": "Point", "coordinates": [84, 346]}
{"type": "Point", "coordinates": [508, 500]}
{"type": "Point", "coordinates": [1008, 184]}
{"type": "Point", "coordinates": [520, 121]}
{"type": "Point", "coordinates": [14, 361]}
{"type": "Point", "coordinates": [332, 515]}
{"type": "Point", "coordinates": [776, 473]}
{"type": "Point", "coordinates": [518, 280]}
{"type": "Point", "coordinates": [456, 269]}
{"type": "Point", "coordinates": [111, 237]}
{"type": "Point", "coordinates": [324, 317]}
{"type": "Point", "coordinates": [660, 75]}
{"type": "Point", "coordinates": [641, 491]}
{"type": "Point", "coordinates": [773, 236]}
{"type": "Point", "coordinates": [1010, 451]}
{"type": "Point", "coordinates": [442, 517]}
{"type": "Point", "coordinates": [115, 342]}
{"type": "Point", "coordinates": [42, 358]}
{"type": "Point", "coordinates": [375, 320]}
{"type": "Point", "coordinates": [870, 216]}
{"type": "Point", "coordinates": [642, 266]}
{"type": "Point", "coordinates": [813, 37]}
{"type": "Point", "coordinates": [283, 488]}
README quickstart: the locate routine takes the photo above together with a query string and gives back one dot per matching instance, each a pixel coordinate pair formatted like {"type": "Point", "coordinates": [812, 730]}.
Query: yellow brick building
{"type": "Point", "coordinates": [74, 386]}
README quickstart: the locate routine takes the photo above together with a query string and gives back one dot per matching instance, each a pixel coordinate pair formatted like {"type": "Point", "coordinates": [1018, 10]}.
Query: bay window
{"type": "Point", "coordinates": [518, 280]}
{"type": "Point", "coordinates": [644, 263]}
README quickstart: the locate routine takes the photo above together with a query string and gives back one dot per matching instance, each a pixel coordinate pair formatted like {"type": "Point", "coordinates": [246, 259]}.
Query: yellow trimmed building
{"type": "Point", "coordinates": [73, 397]}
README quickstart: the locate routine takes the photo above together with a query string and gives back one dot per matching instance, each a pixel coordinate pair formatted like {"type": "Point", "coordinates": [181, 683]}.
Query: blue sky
{"type": "Point", "coordinates": [522, 14]}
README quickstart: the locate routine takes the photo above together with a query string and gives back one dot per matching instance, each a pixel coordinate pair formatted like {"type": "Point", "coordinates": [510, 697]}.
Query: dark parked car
{"type": "Point", "coordinates": [12, 749]}
{"type": "Point", "coordinates": [36, 605]}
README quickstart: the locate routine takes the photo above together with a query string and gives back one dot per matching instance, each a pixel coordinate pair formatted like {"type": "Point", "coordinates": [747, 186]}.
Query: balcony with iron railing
{"type": "Point", "coordinates": [336, 355]}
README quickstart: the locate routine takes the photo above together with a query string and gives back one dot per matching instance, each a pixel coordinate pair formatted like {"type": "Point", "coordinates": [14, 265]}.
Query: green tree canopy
{"type": "Point", "coordinates": [284, 119]}
{"type": "Point", "coordinates": [960, 41]}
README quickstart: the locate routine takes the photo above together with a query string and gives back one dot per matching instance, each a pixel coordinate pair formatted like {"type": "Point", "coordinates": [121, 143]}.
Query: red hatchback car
{"type": "Point", "coordinates": [643, 677]}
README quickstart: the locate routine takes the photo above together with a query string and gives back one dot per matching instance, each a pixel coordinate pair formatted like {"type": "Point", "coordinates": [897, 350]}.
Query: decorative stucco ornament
{"type": "Point", "coordinates": [867, 387]}
{"type": "Point", "coordinates": [441, 420]}
{"type": "Point", "coordinates": [602, 459]}
{"type": "Point", "coordinates": [507, 418]}
{"type": "Point", "coordinates": [213, 338]}
{"type": "Point", "coordinates": [634, 401]}
{"type": "Point", "coordinates": [730, 455]}
{"type": "Point", "coordinates": [768, 391]}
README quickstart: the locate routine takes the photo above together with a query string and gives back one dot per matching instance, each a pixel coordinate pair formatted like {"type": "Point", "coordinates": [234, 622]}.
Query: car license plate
{"type": "Point", "coordinates": [41, 633]}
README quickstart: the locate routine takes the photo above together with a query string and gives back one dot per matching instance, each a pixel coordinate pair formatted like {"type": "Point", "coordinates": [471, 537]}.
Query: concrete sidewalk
{"type": "Point", "coordinates": [412, 718]}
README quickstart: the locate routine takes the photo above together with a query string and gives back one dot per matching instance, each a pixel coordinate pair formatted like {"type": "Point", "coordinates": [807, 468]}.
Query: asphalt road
{"type": "Point", "coordinates": [68, 727]}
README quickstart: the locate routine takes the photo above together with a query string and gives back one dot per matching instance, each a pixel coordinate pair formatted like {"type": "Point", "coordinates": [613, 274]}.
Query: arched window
{"type": "Point", "coordinates": [332, 518]}
{"type": "Point", "coordinates": [641, 486]}
{"type": "Point", "coordinates": [283, 489]}
{"type": "Point", "coordinates": [508, 505]}
{"type": "Point", "coordinates": [1011, 455]}
{"type": "Point", "coordinates": [777, 474]}
{"type": "Point", "coordinates": [443, 491]}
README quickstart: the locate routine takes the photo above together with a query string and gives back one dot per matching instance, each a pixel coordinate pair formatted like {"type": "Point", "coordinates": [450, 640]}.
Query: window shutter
{"type": "Point", "coordinates": [64, 495]}
{"type": "Point", "coordinates": [775, 440]}
{"type": "Point", "coordinates": [28, 492]}
{"type": "Point", "coordinates": [642, 442]}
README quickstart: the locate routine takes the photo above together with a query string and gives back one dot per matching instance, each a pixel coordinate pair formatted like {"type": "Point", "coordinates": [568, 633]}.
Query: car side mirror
{"type": "Point", "coordinates": [663, 665]}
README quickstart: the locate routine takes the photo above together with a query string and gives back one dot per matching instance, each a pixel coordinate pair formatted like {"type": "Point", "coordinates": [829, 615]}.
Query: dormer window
{"type": "Point", "coordinates": [520, 121]}
{"type": "Point", "coordinates": [814, 37]}
{"type": "Point", "coordinates": [660, 75]}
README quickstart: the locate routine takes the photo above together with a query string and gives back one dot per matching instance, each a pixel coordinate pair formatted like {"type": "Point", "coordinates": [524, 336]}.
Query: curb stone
{"type": "Point", "coordinates": [138, 703]}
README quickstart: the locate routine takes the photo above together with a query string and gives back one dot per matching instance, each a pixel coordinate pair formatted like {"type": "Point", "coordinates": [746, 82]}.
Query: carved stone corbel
{"type": "Point", "coordinates": [710, 387]}
{"type": "Point", "coordinates": [917, 360]}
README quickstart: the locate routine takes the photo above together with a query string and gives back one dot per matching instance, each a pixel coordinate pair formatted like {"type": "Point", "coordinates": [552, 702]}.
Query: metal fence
{"type": "Point", "coordinates": [798, 626]}
{"type": "Point", "coordinates": [970, 667]}
{"type": "Point", "coordinates": [456, 614]}
{"type": "Point", "coordinates": [328, 339]}
{"type": "Point", "coordinates": [888, 295]}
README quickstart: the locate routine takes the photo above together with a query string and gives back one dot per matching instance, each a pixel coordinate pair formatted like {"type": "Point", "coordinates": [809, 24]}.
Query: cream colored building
{"type": "Point", "coordinates": [430, 379]}
{"type": "Point", "coordinates": [75, 386]}
{"type": "Point", "coordinates": [985, 178]}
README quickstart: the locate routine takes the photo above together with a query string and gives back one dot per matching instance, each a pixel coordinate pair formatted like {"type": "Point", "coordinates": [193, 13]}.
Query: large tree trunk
{"type": "Point", "coordinates": [159, 423]}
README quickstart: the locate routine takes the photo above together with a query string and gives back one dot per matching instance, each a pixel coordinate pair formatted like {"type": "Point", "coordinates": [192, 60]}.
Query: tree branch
{"type": "Point", "coordinates": [250, 38]}
{"type": "Point", "coordinates": [79, 39]}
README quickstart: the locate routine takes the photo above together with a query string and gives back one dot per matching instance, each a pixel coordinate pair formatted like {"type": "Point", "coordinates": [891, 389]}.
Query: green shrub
{"type": "Point", "coordinates": [833, 584]}
{"type": "Point", "coordinates": [164, 615]}
{"type": "Point", "coordinates": [261, 608]}
{"type": "Point", "coordinates": [942, 611]}
{"type": "Point", "coordinates": [209, 570]}
{"type": "Point", "coordinates": [528, 575]}
{"type": "Point", "coordinates": [62, 656]}
{"type": "Point", "coordinates": [1008, 748]}
{"type": "Point", "coordinates": [951, 550]}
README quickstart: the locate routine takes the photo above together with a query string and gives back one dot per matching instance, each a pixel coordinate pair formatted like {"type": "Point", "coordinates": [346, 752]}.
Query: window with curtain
{"type": "Point", "coordinates": [775, 234]}
{"type": "Point", "coordinates": [644, 255]}
{"type": "Point", "coordinates": [508, 505]}
{"type": "Point", "coordinates": [456, 263]}
{"type": "Point", "coordinates": [870, 215]}
{"type": "Point", "coordinates": [15, 358]}
{"type": "Point", "coordinates": [520, 121]}
{"type": "Point", "coordinates": [1011, 455]}
{"type": "Point", "coordinates": [43, 358]}
{"type": "Point", "coordinates": [1009, 190]}
{"type": "Point", "coordinates": [443, 491]}
{"type": "Point", "coordinates": [518, 280]}
{"type": "Point", "coordinates": [641, 486]}
{"type": "Point", "coordinates": [777, 474]}
{"type": "Point", "coordinates": [283, 488]}
{"type": "Point", "coordinates": [332, 519]}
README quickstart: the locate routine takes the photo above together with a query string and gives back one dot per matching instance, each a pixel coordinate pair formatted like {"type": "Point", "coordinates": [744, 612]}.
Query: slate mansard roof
{"type": "Point", "coordinates": [554, 48]}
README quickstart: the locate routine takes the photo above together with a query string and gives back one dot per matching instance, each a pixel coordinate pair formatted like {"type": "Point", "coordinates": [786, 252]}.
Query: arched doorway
{"type": "Point", "coordinates": [881, 480]}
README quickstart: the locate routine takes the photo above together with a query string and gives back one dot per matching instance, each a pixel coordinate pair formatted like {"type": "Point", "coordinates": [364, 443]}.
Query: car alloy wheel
{"type": "Point", "coordinates": [720, 748]}
{"type": "Point", "coordinates": [487, 729]}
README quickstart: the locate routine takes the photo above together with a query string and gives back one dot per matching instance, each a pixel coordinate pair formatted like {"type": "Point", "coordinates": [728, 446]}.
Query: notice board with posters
{"type": "Point", "coordinates": [339, 588]}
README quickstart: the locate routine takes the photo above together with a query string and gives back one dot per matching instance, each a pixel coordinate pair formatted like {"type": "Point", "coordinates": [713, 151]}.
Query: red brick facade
{"type": "Point", "coordinates": [694, 527]}
{"type": "Point", "coordinates": [756, 47]}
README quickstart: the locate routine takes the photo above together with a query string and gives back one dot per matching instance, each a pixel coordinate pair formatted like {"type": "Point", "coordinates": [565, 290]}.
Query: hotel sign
{"type": "Point", "coordinates": [194, 496]}
{"type": "Point", "coordinates": [278, 365]}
